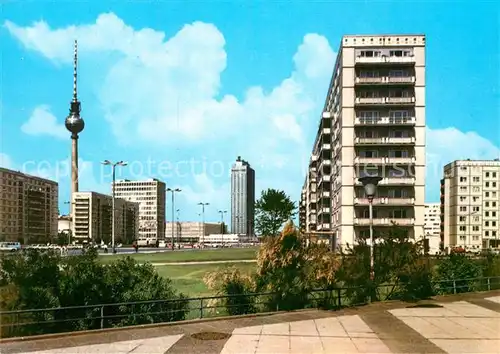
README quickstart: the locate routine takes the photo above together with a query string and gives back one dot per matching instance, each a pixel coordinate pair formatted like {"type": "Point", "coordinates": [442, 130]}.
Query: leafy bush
{"type": "Point", "coordinates": [45, 280]}
{"type": "Point", "coordinates": [456, 273]}
{"type": "Point", "coordinates": [236, 289]}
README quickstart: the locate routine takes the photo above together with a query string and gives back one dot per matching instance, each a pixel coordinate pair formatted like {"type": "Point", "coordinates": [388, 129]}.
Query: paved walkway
{"type": "Point", "coordinates": [454, 324]}
{"type": "Point", "coordinates": [203, 262]}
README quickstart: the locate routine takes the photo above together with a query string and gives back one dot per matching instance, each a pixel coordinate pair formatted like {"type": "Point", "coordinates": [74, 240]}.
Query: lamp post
{"type": "Point", "coordinates": [203, 205]}
{"type": "Point", "coordinates": [222, 212]}
{"type": "Point", "coordinates": [370, 185]}
{"type": "Point", "coordinates": [178, 227]}
{"type": "Point", "coordinates": [113, 168]}
{"type": "Point", "coordinates": [173, 191]}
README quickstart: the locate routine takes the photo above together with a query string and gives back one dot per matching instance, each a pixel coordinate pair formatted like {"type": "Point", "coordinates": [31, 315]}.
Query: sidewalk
{"type": "Point", "coordinates": [467, 323]}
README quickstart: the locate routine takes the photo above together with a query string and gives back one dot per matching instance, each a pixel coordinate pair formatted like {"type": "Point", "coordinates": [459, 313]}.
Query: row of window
{"type": "Point", "coordinates": [392, 134]}
{"type": "Point", "coordinates": [476, 199]}
{"type": "Point", "coordinates": [392, 214]}
{"type": "Point", "coordinates": [392, 53]}
{"type": "Point", "coordinates": [391, 73]}
{"type": "Point", "coordinates": [475, 227]}
{"type": "Point", "coordinates": [392, 153]}
{"type": "Point", "coordinates": [477, 179]}
{"type": "Point", "coordinates": [476, 189]}
{"type": "Point", "coordinates": [397, 93]}
{"type": "Point", "coordinates": [475, 209]}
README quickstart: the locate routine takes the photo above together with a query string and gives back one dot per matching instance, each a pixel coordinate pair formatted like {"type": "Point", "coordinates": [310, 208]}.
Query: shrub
{"type": "Point", "coordinates": [456, 273]}
{"type": "Point", "coordinates": [236, 289]}
{"type": "Point", "coordinates": [45, 280]}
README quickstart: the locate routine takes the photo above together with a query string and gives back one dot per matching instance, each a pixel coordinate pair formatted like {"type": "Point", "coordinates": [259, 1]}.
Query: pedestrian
{"type": "Point", "coordinates": [135, 246]}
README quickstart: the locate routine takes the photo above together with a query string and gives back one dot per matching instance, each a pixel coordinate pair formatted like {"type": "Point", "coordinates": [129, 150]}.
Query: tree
{"type": "Point", "coordinates": [273, 209]}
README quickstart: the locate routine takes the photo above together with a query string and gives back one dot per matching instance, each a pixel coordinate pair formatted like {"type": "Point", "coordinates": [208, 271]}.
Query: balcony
{"type": "Point", "coordinates": [385, 60]}
{"type": "Point", "coordinates": [369, 160]}
{"type": "Point", "coordinates": [324, 226]}
{"type": "Point", "coordinates": [385, 201]}
{"type": "Point", "coordinates": [370, 100]}
{"type": "Point", "coordinates": [400, 79]}
{"type": "Point", "coordinates": [385, 80]}
{"type": "Point", "coordinates": [326, 131]}
{"type": "Point", "coordinates": [385, 121]}
{"type": "Point", "coordinates": [323, 163]}
{"type": "Point", "coordinates": [392, 181]}
{"type": "Point", "coordinates": [400, 160]}
{"type": "Point", "coordinates": [384, 141]}
{"type": "Point", "coordinates": [384, 221]}
{"type": "Point", "coordinates": [325, 195]}
{"type": "Point", "coordinates": [400, 100]}
{"type": "Point", "coordinates": [384, 100]}
{"type": "Point", "coordinates": [370, 80]}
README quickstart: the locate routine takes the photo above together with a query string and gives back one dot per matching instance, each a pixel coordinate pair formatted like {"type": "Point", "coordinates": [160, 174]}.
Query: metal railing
{"type": "Point", "coordinates": [101, 316]}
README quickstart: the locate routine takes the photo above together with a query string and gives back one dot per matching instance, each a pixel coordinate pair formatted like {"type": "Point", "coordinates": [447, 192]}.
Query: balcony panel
{"type": "Point", "coordinates": [326, 131]}
{"type": "Point", "coordinates": [400, 100]}
{"type": "Point", "coordinates": [326, 146]}
{"type": "Point", "coordinates": [385, 121]}
{"type": "Point", "coordinates": [384, 141]}
{"type": "Point", "coordinates": [392, 181]}
{"type": "Point", "coordinates": [369, 160]}
{"type": "Point", "coordinates": [370, 80]}
{"type": "Point", "coordinates": [370, 100]}
{"type": "Point", "coordinates": [400, 160]}
{"type": "Point", "coordinates": [384, 221]}
{"type": "Point", "coordinates": [400, 80]}
{"type": "Point", "coordinates": [385, 60]}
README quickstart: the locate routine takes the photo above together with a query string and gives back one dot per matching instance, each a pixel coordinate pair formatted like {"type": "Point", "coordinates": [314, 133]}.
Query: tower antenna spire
{"type": "Point", "coordinates": [75, 72]}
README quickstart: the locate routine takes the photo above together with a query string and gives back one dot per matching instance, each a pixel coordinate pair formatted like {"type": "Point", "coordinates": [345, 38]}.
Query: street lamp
{"type": "Point", "coordinates": [173, 191]}
{"type": "Point", "coordinates": [113, 167]}
{"type": "Point", "coordinates": [178, 211]}
{"type": "Point", "coordinates": [203, 205]}
{"type": "Point", "coordinates": [222, 212]}
{"type": "Point", "coordinates": [370, 185]}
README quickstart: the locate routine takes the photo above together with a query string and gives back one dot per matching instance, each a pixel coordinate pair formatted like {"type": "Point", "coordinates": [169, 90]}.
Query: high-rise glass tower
{"type": "Point", "coordinates": [242, 198]}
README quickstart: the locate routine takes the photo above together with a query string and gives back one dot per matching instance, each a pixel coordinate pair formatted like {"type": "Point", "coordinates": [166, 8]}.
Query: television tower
{"type": "Point", "coordinates": [75, 124]}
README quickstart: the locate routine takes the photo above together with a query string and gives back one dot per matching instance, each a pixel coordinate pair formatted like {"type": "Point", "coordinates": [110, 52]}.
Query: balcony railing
{"type": "Point", "coordinates": [407, 181]}
{"type": "Point", "coordinates": [385, 121]}
{"type": "Point", "coordinates": [385, 201]}
{"type": "Point", "coordinates": [384, 221]}
{"type": "Point", "coordinates": [384, 100]}
{"type": "Point", "coordinates": [400, 160]}
{"type": "Point", "coordinates": [324, 210]}
{"type": "Point", "coordinates": [325, 194]}
{"type": "Point", "coordinates": [326, 131]}
{"type": "Point", "coordinates": [326, 146]}
{"type": "Point", "coordinates": [385, 59]}
{"type": "Point", "coordinates": [367, 160]}
{"type": "Point", "coordinates": [385, 140]}
{"type": "Point", "coordinates": [386, 80]}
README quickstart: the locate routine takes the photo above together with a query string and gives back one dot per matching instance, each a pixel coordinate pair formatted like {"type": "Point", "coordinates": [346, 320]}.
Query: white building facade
{"type": "Point", "coordinates": [372, 124]}
{"type": "Point", "coordinates": [432, 226]}
{"type": "Point", "coordinates": [470, 203]}
{"type": "Point", "coordinates": [150, 195]}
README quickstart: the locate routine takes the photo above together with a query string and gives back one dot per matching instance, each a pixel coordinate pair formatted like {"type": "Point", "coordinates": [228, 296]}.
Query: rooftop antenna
{"type": "Point", "coordinates": [75, 73]}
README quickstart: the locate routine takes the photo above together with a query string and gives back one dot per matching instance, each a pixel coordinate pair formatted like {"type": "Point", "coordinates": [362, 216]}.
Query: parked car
{"type": "Point", "coordinates": [10, 246]}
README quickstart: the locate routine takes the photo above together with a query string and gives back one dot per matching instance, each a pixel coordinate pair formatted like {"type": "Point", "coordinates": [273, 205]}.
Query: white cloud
{"type": "Point", "coordinates": [205, 190]}
{"type": "Point", "coordinates": [6, 161]}
{"type": "Point", "coordinates": [162, 91]}
{"type": "Point", "coordinates": [162, 87]}
{"type": "Point", "coordinates": [43, 122]}
{"type": "Point", "coordinates": [449, 144]}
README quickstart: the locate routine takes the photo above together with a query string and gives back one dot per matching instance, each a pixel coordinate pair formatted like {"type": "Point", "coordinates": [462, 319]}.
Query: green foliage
{"type": "Point", "coordinates": [45, 280]}
{"type": "Point", "coordinates": [235, 287]}
{"type": "Point", "coordinates": [456, 274]}
{"type": "Point", "coordinates": [281, 269]}
{"type": "Point", "coordinates": [273, 209]}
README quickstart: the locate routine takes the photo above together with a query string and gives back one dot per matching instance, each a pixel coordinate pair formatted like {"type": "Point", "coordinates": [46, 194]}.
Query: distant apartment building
{"type": "Point", "coordinates": [470, 204]}
{"type": "Point", "coordinates": [150, 195]}
{"type": "Point", "coordinates": [191, 231]}
{"type": "Point", "coordinates": [432, 226]}
{"type": "Point", "coordinates": [242, 198]}
{"type": "Point", "coordinates": [28, 207]}
{"type": "Point", "coordinates": [303, 209]}
{"type": "Point", "coordinates": [92, 219]}
{"type": "Point", "coordinates": [372, 124]}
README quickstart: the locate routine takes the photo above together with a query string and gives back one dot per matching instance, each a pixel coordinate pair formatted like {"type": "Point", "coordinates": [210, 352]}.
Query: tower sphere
{"type": "Point", "coordinates": [74, 123]}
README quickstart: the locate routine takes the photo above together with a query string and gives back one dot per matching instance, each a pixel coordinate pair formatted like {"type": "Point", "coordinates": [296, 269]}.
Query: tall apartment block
{"type": "Point", "coordinates": [28, 207]}
{"type": "Point", "coordinates": [92, 218]}
{"type": "Point", "coordinates": [150, 194]}
{"type": "Point", "coordinates": [432, 226]}
{"type": "Point", "coordinates": [372, 124]}
{"type": "Point", "coordinates": [470, 203]}
{"type": "Point", "coordinates": [242, 198]}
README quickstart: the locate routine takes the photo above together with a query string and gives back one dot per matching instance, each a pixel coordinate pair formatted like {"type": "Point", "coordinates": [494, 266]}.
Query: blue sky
{"type": "Point", "coordinates": [180, 89]}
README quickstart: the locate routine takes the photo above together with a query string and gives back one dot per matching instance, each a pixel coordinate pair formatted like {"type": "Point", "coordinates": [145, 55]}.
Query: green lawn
{"type": "Point", "coordinates": [223, 254]}
{"type": "Point", "coordinates": [188, 279]}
